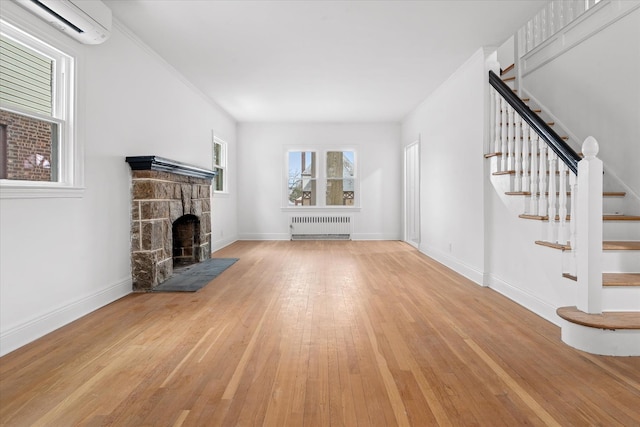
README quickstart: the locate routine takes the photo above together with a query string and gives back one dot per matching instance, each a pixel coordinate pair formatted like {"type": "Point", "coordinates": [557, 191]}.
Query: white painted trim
{"type": "Point", "coordinates": [374, 236]}
{"type": "Point", "coordinates": [525, 299]}
{"type": "Point", "coordinates": [39, 192]}
{"type": "Point", "coordinates": [222, 243]}
{"type": "Point", "coordinates": [455, 264]}
{"type": "Point", "coordinates": [264, 236]}
{"type": "Point", "coordinates": [39, 326]}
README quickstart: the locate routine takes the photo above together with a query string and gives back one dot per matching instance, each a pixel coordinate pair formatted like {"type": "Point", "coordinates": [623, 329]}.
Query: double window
{"type": "Point", "coordinates": [36, 112]}
{"type": "Point", "coordinates": [321, 178]}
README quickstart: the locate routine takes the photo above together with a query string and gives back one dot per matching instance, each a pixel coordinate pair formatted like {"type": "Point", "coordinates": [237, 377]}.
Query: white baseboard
{"type": "Point", "coordinates": [525, 299]}
{"type": "Point", "coordinates": [456, 265]}
{"type": "Point", "coordinates": [374, 236]}
{"type": "Point", "coordinates": [222, 243]}
{"type": "Point", "coordinates": [37, 327]}
{"type": "Point", "coordinates": [264, 236]}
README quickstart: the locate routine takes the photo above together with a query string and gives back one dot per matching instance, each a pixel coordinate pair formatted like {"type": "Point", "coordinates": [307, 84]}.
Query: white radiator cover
{"type": "Point", "coordinates": [321, 227]}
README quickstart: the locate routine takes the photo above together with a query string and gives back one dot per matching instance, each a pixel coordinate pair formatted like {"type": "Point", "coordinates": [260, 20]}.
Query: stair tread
{"type": "Point", "coordinates": [607, 245]}
{"type": "Point", "coordinates": [613, 279]}
{"type": "Point", "coordinates": [553, 245]}
{"type": "Point", "coordinates": [606, 320]}
{"type": "Point", "coordinates": [621, 218]}
{"type": "Point", "coordinates": [620, 245]}
{"type": "Point", "coordinates": [508, 79]}
{"type": "Point", "coordinates": [506, 70]}
{"type": "Point", "coordinates": [489, 155]}
{"type": "Point", "coordinates": [528, 193]}
{"type": "Point", "coordinates": [604, 217]}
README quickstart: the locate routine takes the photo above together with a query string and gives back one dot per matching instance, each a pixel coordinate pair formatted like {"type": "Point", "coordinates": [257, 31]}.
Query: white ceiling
{"type": "Point", "coordinates": [320, 61]}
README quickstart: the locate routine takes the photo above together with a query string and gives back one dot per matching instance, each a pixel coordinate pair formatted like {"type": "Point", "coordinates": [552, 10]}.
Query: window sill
{"type": "Point", "coordinates": [39, 191]}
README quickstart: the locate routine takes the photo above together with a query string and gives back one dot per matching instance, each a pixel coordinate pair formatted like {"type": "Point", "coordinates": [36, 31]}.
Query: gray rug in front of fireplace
{"type": "Point", "coordinates": [196, 276]}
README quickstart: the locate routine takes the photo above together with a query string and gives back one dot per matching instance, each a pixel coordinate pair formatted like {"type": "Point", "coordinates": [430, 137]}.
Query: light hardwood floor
{"type": "Point", "coordinates": [317, 334]}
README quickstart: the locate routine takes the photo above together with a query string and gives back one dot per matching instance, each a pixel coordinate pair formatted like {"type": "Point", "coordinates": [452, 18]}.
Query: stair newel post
{"type": "Point", "coordinates": [534, 174]}
{"type": "Point", "coordinates": [542, 176]}
{"type": "Point", "coordinates": [573, 215]}
{"type": "Point", "coordinates": [553, 199]}
{"type": "Point", "coordinates": [526, 182]}
{"type": "Point", "coordinates": [503, 134]}
{"type": "Point", "coordinates": [589, 229]}
{"type": "Point", "coordinates": [518, 151]}
{"type": "Point", "coordinates": [510, 138]}
{"type": "Point", "coordinates": [562, 203]}
{"type": "Point", "coordinates": [497, 114]}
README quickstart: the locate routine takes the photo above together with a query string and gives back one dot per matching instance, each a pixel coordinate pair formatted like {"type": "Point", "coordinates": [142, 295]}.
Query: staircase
{"type": "Point", "coordinates": [535, 180]}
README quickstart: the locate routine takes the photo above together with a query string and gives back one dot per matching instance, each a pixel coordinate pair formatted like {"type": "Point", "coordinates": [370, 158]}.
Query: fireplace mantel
{"type": "Point", "coordinates": [160, 164]}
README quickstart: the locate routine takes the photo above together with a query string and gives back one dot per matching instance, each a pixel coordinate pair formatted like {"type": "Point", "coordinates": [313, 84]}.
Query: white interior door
{"type": "Point", "coordinates": [412, 194]}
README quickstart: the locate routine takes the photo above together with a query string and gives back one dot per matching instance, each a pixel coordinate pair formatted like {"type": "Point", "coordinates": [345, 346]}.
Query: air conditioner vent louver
{"type": "Point", "coordinates": [88, 21]}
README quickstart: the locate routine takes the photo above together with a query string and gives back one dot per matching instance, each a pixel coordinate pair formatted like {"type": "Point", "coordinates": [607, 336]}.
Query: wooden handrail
{"type": "Point", "coordinates": [553, 140]}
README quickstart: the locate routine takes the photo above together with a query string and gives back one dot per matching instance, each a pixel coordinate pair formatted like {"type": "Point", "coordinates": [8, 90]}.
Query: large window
{"type": "Point", "coordinates": [36, 112]}
{"type": "Point", "coordinates": [220, 165]}
{"type": "Point", "coordinates": [321, 178]}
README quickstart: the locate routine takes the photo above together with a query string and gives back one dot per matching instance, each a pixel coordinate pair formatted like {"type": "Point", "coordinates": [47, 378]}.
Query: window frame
{"type": "Point", "coordinates": [222, 166]}
{"type": "Point", "coordinates": [70, 165]}
{"type": "Point", "coordinates": [321, 178]}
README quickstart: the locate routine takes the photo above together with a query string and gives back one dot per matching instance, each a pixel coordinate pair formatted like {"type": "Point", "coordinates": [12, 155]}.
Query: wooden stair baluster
{"type": "Point", "coordinates": [553, 225]}
{"type": "Point", "coordinates": [517, 152]}
{"type": "Point", "coordinates": [533, 205]}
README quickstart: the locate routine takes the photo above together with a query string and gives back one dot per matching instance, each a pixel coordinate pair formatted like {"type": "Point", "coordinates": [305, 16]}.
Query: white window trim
{"type": "Point", "coordinates": [18, 24]}
{"type": "Point", "coordinates": [225, 159]}
{"type": "Point", "coordinates": [321, 178]}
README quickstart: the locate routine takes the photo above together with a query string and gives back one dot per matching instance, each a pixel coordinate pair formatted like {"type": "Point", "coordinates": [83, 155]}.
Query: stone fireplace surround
{"type": "Point", "coordinates": [162, 191]}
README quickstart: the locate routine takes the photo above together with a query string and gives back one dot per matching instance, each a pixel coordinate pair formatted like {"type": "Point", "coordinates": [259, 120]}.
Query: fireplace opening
{"type": "Point", "coordinates": [186, 240]}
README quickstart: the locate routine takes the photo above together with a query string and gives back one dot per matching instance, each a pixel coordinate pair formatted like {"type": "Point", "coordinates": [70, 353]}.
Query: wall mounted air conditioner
{"type": "Point", "coordinates": [88, 21]}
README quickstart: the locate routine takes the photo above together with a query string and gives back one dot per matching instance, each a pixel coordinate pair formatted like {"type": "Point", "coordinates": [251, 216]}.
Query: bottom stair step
{"type": "Point", "coordinates": [607, 320]}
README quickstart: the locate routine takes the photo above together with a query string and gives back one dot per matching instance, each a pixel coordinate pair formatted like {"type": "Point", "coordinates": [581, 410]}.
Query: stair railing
{"type": "Point", "coordinates": [546, 169]}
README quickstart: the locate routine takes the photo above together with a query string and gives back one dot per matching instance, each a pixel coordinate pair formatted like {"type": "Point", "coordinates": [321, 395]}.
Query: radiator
{"type": "Point", "coordinates": [320, 227]}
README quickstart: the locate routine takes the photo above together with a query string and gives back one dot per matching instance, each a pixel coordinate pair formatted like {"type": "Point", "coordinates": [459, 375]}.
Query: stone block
{"type": "Point", "coordinates": [205, 223]}
{"type": "Point", "coordinates": [167, 239]}
{"type": "Point", "coordinates": [164, 270]}
{"type": "Point", "coordinates": [151, 238]}
{"type": "Point", "coordinates": [205, 191]}
{"type": "Point", "coordinates": [144, 274]}
{"type": "Point", "coordinates": [206, 205]}
{"type": "Point", "coordinates": [154, 209]}
{"type": "Point", "coordinates": [143, 189]}
{"type": "Point", "coordinates": [135, 236]}
{"type": "Point", "coordinates": [175, 210]}
{"type": "Point", "coordinates": [196, 207]}
{"type": "Point", "coordinates": [135, 211]}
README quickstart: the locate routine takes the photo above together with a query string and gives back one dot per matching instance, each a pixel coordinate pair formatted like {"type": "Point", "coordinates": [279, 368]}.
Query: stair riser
{"type": "Point", "coordinates": [621, 298]}
{"type": "Point", "coordinates": [621, 230]}
{"type": "Point", "coordinates": [621, 261]}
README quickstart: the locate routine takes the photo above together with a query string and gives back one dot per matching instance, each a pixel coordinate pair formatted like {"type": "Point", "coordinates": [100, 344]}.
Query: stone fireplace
{"type": "Point", "coordinates": [170, 218]}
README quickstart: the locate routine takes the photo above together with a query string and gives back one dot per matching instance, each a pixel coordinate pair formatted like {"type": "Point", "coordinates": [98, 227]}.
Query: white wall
{"type": "Point", "coordinates": [594, 89]}
{"type": "Point", "coordinates": [261, 184]}
{"type": "Point", "coordinates": [451, 126]}
{"type": "Point", "coordinates": [63, 258]}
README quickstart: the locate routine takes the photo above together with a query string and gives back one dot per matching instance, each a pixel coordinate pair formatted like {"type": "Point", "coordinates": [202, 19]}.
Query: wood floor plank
{"type": "Point", "coordinates": [316, 334]}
